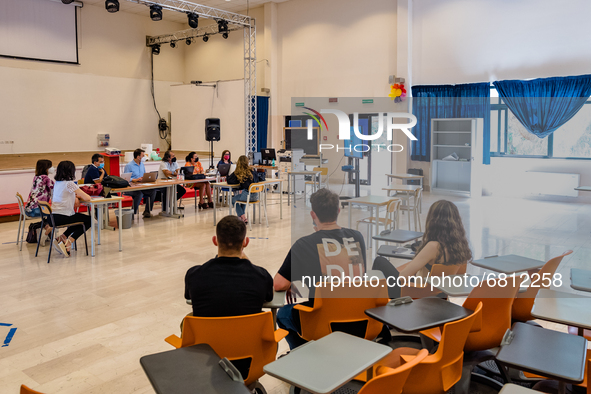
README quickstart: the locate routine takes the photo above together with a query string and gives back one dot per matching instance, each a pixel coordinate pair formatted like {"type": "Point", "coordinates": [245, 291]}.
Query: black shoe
{"type": "Point", "coordinates": [203, 206]}
{"type": "Point", "coordinates": [147, 214]}
{"type": "Point", "coordinates": [210, 204]}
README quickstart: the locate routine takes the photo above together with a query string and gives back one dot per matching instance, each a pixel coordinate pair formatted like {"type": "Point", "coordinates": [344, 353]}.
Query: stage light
{"type": "Point", "coordinates": [205, 38]}
{"type": "Point", "coordinates": [173, 44]}
{"type": "Point", "coordinates": [188, 41]}
{"type": "Point", "coordinates": [112, 5]}
{"type": "Point", "coordinates": [67, 1]}
{"type": "Point", "coordinates": [222, 26]}
{"type": "Point", "coordinates": [193, 20]}
{"type": "Point", "coordinates": [156, 12]}
{"type": "Point", "coordinates": [156, 49]}
{"type": "Point", "coordinates": [225, 35]}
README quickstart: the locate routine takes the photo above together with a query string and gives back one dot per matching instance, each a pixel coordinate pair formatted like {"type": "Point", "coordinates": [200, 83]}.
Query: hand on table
{"type": "Point", "coordinates": [290, 295]}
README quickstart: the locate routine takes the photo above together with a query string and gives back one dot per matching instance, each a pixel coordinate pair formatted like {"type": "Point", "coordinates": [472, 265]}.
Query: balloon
{"type": "Point", "coordinates": [403, 90]}
{"type": "Point", "coordinates": [398, 92]}
{"type": "Point", "coordinates": [403, 94]}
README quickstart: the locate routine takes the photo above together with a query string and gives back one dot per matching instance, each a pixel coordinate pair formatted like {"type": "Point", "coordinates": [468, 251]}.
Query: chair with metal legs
{"type": "Point", "coordinates": [22, 220]}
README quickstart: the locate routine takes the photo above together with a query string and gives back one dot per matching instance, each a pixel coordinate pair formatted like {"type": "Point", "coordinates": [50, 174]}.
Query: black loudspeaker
{"type": "Point", "coordinates": [212, 129]}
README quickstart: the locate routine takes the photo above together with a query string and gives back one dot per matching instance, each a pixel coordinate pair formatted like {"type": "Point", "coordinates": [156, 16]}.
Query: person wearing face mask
{"type": "Point", "coordinates": [226, 158]}
{"type": "Point", "coordinates": [192, 160]}
{"type": "Point", "coordinates": [41, 191]}
{"type": "Point", "coordinates": [137, 170]}
{"type": "Point", "coordinates": [96, 171]}
{"type": "Point", "coordinates": [169, 168]}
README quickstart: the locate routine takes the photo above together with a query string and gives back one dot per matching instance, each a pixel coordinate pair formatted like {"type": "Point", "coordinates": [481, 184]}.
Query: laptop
{"type": "Point", "coordinates": [188, 170]}
{"type": "Point", "coordinates": [126, 176]}
{"type": "Point", "coordinates": [223, 169]}
{"type": "Point", "coordinates": [150, 176]}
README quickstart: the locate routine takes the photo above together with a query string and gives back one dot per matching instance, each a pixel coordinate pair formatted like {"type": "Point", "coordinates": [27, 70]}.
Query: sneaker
{"type": "Point", "coordinates": [147, 214]}
{"type": "Point", "coordinates": [56, 246]}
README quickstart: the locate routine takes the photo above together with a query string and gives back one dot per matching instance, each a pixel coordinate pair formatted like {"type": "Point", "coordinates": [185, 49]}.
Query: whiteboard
{"type": "Point", "coordinates": [191, 105]}
{"type": "Point", "coordinates": [38, 29]}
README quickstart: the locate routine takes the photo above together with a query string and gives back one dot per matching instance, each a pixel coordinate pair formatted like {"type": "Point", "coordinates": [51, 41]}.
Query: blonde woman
{"type": "Point", "coordinates": [244, 176]}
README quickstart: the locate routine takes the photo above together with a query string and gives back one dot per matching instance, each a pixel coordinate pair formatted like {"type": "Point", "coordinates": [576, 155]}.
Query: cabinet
{"type": "Point", "coordinates": [462, 136]}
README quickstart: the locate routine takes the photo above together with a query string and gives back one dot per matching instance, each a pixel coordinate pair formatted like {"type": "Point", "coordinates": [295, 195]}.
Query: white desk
{"type": "Point", "coordinates": [407, 177]}
{"type": "Point", "coordinates": [96, 202]}
{"type": "Point", "coordinates": [315, 175]}
{"type": "Point", "coordinates": [564, 308]}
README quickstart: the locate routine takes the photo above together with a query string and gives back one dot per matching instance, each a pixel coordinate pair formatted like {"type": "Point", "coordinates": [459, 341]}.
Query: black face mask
{"type": "Point", "coordinates": [173, 160]}
{"type": "Point", "coordinates": [196, 159]}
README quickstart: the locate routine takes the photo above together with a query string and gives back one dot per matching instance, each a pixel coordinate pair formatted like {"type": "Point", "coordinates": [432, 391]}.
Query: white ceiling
{"type": "Point", "coordinates": [238, 6]}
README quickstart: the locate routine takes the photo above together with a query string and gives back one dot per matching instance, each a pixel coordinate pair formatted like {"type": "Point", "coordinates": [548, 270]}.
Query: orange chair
{"type": "Point", "coordinates": [238, 337]}
{"type": "Point", "coordinates": [524, 302]}
{"type": "Point", "coordinates": [438, 372]}
{"type": "Point", "coordinates": [345, 305]}
{"type": "Point", "coordinates": [391, 380]}
{"type": "Point", "coordinates": [496, 302]}
{"type": "Point", "coordinates": [416, 292]}
{"type": "Point", "coordinates": [26, 390]}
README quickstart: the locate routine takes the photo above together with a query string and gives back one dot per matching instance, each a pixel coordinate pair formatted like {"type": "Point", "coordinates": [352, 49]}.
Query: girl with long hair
{"type": "Point", "coordinates": [226, 158]}
{"type": "Point", "coordinates": [244, 176]}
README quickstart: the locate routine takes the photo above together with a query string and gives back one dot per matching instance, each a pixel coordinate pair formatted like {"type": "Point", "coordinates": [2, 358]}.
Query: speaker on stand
{"type": "Point", "coordinates": [212, 133]}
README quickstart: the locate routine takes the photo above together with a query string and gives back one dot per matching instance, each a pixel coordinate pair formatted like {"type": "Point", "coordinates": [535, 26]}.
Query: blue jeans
{"type": "Point", "coordinates": [288, 318]}
{"type": "Point", "coordinates": [34, 213]}
{"type": "Point", "coordinates": [242, 196]}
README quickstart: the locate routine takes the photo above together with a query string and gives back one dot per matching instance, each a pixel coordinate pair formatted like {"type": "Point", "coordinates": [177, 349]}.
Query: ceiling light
{"type": "Point", "coordinates": [156, 12]}
{"type": "Point", "coordinates": [193, 20]}
{"type": "Point", "coordinates": [188, 41]}
{"type": "Point", "coordinates": [225, 35]}
{"type": "Point", "coordinates": [205, 38]}
{"type": "Point", "coordinates": [222, 26]}
{"type": "Point", "coordinates": [156, 49]}
{"type": "Point", "coordinates": [112, 5]}
{"type": "Point", "coordinates": [173, 44]}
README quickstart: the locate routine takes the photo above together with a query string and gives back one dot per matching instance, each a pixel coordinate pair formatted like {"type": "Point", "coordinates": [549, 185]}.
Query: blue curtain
{"type": "Point", "coordinates": [448, 101]}
{"type": "Point", "coordinates": [262, 121]}
{"type": "Point", "coordinates": [543, 105]}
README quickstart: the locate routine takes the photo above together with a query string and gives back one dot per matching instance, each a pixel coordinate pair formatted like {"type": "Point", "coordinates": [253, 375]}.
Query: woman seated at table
{"type": "Point", "coordinates": [41, 191]}
{"type": "Point", "coordinates": [444, 242]}
{"type": "Point", "coordinates": [226, 158]}
{"type": "Point", "coordinates": [204, 187]}
{"type": "Point", "coordinates": [244, 176]}
{"type": "Point", "coordinates": [66, 198]}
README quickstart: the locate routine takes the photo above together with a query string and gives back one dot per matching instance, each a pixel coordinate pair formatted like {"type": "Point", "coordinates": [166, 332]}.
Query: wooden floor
{"type": "Point", "coordinates": [83, 323]}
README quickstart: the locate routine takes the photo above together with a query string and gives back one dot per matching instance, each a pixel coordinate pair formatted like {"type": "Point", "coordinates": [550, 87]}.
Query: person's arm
{"type": "Point", "coordinates": [282, 279]}
{"type": "Point", "coordinates": [103, 173]}
{"type": "Point", "coordinates": [82, 196]}
{"type": "Point", "coordinates": [165, 170]}
{"type": "Point", "coordinates": [427, 255]}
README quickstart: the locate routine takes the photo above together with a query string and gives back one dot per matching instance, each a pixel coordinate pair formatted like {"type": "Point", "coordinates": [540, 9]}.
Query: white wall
{"type": "Point", "coordinates": [462, 41]}
{"type": "Point", "coordinates": [50, 107]}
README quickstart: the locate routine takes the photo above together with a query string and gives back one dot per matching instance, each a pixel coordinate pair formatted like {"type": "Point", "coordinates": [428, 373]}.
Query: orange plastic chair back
{"type": "Point", "coordinates": [444, 368]}
{"type": "Point", "coordinates": [391, 380]}
{"type": "Point", "coordinates": [236, 337]}
{"type": "Point", "coordinates": [416, 292]}
{"type": "Point", "coordinates": [345, 305]}
{"type": "Point", "coordinates": [524, 302]}
{"type": "Point", "coordinates": [26, 390]}
{"type": "Point", "coordinates": [256, 188]}
{"type": "Point", "coordinates": [496, 302]}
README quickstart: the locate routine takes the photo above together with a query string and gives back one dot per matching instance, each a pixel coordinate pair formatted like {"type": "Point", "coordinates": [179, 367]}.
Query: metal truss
{"type": "Point", "coordinates": [201, 10]}
{"type": "Point", "coordinates": [235, 22]}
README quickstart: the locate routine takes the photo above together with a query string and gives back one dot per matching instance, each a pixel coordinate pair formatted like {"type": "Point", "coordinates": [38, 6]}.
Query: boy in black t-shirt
{"type": "Point", "coordinates": [330, 251]}
{"type": "Point", "coordinates": [228, 285]}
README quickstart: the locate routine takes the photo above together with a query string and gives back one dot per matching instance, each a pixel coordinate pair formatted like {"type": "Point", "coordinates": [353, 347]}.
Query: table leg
{"type": "Point", "coordinates": [216, 195]}
{"type": "Point", "coordinates": [288, 190]}
{"type": "Point", "coordinates": [100, 223]}
{"type": "Point", "coordinates": [293, 189]}
{"type": "Point", "coordinates": [350, 208]}
{"type": "Point", "coordinates": [280, 200]}
{"type": "Point", "coordinates": [375, 248]}
{"type": "Point", "coordinates": [230, 205]}
{"type": "Point", "coordinates": [421, 202]}
{"type": "Point", "coordinates": [91, 210]}
{"type": "Point", "coordinates": [120, 226]}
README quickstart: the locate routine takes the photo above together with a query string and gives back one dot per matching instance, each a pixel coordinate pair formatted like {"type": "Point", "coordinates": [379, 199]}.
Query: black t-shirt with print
{"type": "Point", "coordinates": [228, 286]}
{"type": "Point", "coordinates": [325, 253]}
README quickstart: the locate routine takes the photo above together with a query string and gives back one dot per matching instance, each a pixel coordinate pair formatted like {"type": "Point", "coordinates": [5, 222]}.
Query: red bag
{"type": "Point", "coordinates": [92, 190]}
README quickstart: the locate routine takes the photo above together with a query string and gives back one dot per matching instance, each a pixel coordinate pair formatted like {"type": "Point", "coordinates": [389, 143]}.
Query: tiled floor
{"type": "Point", "coordinates": [83, 323]}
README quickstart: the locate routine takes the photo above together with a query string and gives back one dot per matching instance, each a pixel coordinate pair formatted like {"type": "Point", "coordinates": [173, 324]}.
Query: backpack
{"type": "Point", "coordinates": [85, 170]}
{"type": "Point", "coordinates": [32, 234]}
{"type": "Point", "coordinates": [114, 182]}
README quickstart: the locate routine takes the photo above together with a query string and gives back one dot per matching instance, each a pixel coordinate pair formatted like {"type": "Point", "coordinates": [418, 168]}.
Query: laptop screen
{"type": "Point", "coordinates": [223, 169]}
{"type": "Point", "coordinates": [188, 170]}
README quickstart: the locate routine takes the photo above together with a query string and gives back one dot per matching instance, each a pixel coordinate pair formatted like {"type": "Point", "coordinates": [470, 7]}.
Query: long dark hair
{"type": "Point", "coordinates": [444, 225]}
{"type": "Point", "coordinates": [229, 154]}
{"type": "Point", "coordinates": [66, 171]}
{"type": "Point", "coordinates": [42, 167]}
{"type": "Point", "coordinates": [190, 156]}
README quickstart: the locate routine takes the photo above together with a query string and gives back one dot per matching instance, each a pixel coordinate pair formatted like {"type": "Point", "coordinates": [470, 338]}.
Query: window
{"type": "Point", "coordinates": [508, 137]}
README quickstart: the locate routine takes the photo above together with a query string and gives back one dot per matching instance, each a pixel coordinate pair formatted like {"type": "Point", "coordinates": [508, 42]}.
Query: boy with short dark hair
{"type": "Point", "coordinates": [229, 284]}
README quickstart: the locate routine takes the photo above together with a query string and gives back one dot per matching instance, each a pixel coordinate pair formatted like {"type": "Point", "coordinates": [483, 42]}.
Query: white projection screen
{"type": "Point", "coordinates": [38, 30]}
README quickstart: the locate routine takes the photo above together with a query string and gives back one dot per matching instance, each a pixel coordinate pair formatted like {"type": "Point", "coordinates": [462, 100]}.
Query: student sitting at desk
{"type": "Point", "coordinates": [192, 160]}
{"type": "Point", "coordinates": [66, 198]}
{"type": "Point", "coordinates": [169, 168]}
{"type": "Point", "coordinates": [96, 171]}
{"type": "Point", "coordinates": [244, 176]}
{"type": "Point", "coordinates": [229, 284]}
{"type": "Point", "coordinates": [226, 158]}
{"type": "Point", "coordinates": [41, 191]}
{"type": "Point", "coordinates": [137, 170]}
{"type": "Point", "coordinates": [444, 242]}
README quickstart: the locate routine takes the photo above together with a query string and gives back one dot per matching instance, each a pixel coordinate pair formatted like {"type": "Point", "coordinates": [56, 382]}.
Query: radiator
{"type": "Point", "coordinates": [551, 183]}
